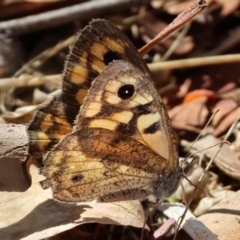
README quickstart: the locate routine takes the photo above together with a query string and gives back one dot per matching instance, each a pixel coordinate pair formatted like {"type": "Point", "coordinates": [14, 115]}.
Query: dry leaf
{"type": "Point", "coordinates": [209, 201]}
{"type": "Point", "coordinates": [33, 214]}
{"type": "Point", "coordinates": [223, 218]}
{"type": "Point", "coordinates": [196, 229]}
{"type": "Point", "coordinates": [227, 159]}
{"type": "Point", "coordinates": [190, 116]}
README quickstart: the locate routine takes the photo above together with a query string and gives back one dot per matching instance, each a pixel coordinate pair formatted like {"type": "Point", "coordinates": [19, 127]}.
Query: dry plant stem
{"type": "Point", "coordinates": [28, 81]}
{"type": "Point", "coordinates": [194, 62]}
{"type": "Point", "coordinates": [179, 21]}
{"type": "Point", "coordinates": [81, 11]}
{"type": "Point", "coordinates": [154, 67]}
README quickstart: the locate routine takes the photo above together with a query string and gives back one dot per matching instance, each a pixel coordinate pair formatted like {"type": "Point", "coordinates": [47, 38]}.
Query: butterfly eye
{"type": "Point", "coordinates": [126, 91]}
{"type": "Point", "coordinates": [110, 56]}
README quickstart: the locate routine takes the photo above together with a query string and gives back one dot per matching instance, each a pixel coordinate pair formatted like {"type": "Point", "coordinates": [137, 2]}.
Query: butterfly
{"type": "Point", "coordinates": [107, 133]}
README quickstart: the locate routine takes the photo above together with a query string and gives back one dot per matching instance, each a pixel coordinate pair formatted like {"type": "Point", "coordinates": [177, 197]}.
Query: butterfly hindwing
{"type": "Point", "coordinates": [123, 99]}
{"type": "Point", "coordinates": [100, 164]}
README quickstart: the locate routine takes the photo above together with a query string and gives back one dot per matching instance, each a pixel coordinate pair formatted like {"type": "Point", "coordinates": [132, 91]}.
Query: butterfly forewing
{"type": "Point", "coordinates": [96, 46]}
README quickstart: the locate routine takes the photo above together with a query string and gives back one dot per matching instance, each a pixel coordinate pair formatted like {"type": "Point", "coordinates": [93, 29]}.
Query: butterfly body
{"type": "Point", "coordinates": [122, 146]}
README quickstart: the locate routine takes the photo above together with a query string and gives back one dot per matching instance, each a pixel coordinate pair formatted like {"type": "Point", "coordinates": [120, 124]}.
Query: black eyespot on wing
{"type": "Point", "coordinates": [77, 178]}
{"type": "Point", "coordinates": [110, 57]}
{"type": "Point", "coordinates": [152, 128]}
{"type": "Point", "coordinates": [126, 91]}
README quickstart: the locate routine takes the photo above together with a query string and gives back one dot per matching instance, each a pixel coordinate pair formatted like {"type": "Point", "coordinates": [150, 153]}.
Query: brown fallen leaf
{"type": "Point", "coordinates": [210, 95]}
{"type": "Point", "coordinates": [208, 202]}
{"type": "Point", "coordinates": [223, 218]}
{"type": "Point", "coordinates": [226, 121]}
{"type": "Point", "coordinates": [190, 116]}
{"type": "Point", "coordinates": [193, 228]}
{"type": "Point", "coordinates": [225, 106]}
{"type": "Point", "coordinates": [165, 228]}
{"type": "Point", "coordinates": [227, 159]}
{"type": "Point", "coordinates": [34, 214]}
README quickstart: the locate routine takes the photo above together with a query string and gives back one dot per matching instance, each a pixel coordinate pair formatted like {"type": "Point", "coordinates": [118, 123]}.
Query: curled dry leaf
{"type": "Point", "coordinates": [209, 201]}
{"type": "Point", "coordinates": [226, 121]}
{"type": "Point", "coordinates": [190, 116]}
{"type": "Point", "coordinates": [228, 109]}
{"type": "Point", "coordinates": [20, 115]}
{"type": "Point", "coordinates": [227, 159]}
{"type": "Point", "coordinates": [164, 229]}
{"type": "Point", "coordinates": [225, 106]}
{"type": "Point", "coordinates": [210, 95]}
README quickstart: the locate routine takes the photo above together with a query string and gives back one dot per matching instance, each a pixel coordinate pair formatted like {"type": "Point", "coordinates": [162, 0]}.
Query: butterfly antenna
{"type": "Point", "coordinates": [204, 172]}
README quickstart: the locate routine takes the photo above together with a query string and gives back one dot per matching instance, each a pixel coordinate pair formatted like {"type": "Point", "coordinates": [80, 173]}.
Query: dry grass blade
{"type": "Point", "coordinates": [195, 62]}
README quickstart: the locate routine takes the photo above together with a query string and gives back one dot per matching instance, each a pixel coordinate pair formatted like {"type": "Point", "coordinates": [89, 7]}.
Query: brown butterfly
{"type": "Point", "coordinates": [122, 146]}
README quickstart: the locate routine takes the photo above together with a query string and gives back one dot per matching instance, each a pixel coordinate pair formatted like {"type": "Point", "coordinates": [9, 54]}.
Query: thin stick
{"type": "Point", "coordinates": [154, 67]}
{"type": "Point", "coordinates": [194, 62]}
{"type": "Point", "coordinates": [81, 11]}
{"type": "Point", "coordinates": [179, 21]}
{"type": "Point", "coordinates": [29, 81]}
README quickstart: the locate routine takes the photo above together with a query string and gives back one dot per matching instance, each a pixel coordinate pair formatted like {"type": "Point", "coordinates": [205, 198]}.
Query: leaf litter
{"type": "Point", "coordinates": [210, 32]}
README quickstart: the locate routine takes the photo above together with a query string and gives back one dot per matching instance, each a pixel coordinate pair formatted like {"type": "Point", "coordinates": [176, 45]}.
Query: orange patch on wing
{"type": "Point", "coordinates": [81, 94]}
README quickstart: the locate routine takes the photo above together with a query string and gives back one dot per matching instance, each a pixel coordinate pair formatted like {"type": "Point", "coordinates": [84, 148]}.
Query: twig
{"type": "Point", "coordinates": [179, 21]}
{"type": "Point", "coordinates": [195, 62]}
{"type": "Point", "coordinates": [30, 80]}
{"type": "Point", "coordinates": [81, 11]}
